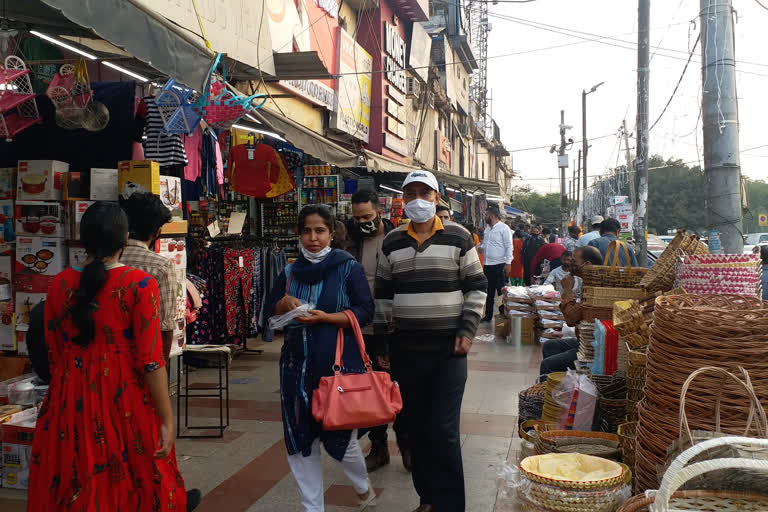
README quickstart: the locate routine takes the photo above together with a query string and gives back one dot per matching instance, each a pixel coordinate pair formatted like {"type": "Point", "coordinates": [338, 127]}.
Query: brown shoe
{"type": "Point", "coordinates": [379, 456]}
{"type": "Point", "coordinates": [424, 508]}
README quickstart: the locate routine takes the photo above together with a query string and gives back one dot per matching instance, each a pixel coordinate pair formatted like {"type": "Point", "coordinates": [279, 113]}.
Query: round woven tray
{"type": "Point", "coordinates": [598, 444]}
{"type": "Point", "coordinates": [624, 477]}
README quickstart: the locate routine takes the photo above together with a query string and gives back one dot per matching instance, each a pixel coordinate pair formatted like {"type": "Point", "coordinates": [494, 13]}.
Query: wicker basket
{"type": "Point", "coordinates": [606, 297]}
{"type": "Point", "coordinates": [591, 313]}
{"type": "Point", "coordinates": [661, 277]}
{"type": "Point", "coordinates": [627, 433]}
{"type": "Point", "coordinates": [598, 444]}
{"type": "Point", "coordinates": [623, 475]}
{"type": "Point", "coordinates": [612, 277]}
{"type": "Point", "coordinates": [531, 402]}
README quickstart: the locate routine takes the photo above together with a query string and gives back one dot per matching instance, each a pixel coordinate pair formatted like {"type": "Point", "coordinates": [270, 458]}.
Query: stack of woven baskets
{"type": "Point", "coordinates": [661, 277]}
{"type": "Point", "coordinates": [551, 412]}
{"type": "Point", "coordinates": [530, 402]}
{"type": "Point", "coordinates": [690, 332]}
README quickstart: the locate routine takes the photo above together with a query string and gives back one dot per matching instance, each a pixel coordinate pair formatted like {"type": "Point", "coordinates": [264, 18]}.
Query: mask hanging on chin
{"type": "Point", "coordinates": [316, 257]}
{"type": "Point", "coordinates": [420, 210]}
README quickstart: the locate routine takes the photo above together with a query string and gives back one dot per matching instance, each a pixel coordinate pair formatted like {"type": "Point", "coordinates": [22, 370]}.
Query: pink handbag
{"type": "Point", "coordinates": [355, 400]}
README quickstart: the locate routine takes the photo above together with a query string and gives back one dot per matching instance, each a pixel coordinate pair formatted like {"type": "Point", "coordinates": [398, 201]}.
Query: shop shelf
{"type": "Point", "coordinates": [16, 124]}
{"type": "Point", "coordinates": [10, 100]}
{"type": "Point", "coordinates": [9, 75]}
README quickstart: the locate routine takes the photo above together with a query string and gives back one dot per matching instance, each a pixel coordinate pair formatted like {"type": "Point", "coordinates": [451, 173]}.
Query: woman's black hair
{"type": "Point", "coordinates": [317, 209]}
{"type": "Point", "coordinates": [103, 232]}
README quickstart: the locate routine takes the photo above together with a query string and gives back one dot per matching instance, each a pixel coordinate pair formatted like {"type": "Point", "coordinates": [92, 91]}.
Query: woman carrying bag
{"type": "Point", "coordinates": [334, 282]}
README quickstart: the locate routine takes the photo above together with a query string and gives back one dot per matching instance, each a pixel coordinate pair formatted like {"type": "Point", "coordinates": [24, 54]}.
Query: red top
{"type": "Point", "coordinates": [98, 428]}
{"type": "Point", "coordinates": [516, 271]}
{"type": "Point", "coordinates": [547, 251]}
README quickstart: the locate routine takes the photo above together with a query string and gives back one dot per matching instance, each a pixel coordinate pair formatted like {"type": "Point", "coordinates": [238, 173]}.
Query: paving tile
{"type": "Point", "coordinates": [345, 496]}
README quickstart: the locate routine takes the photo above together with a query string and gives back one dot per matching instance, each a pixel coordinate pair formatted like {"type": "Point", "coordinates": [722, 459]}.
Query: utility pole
{"type": "Point", "coordinates": [640, 217]}
{"type": "Point", "coordinates": [579, 211]}
{"type": "Point", "coordinates": [562, 162]}
{"type": "Point", "coordinates": [630, 170]}
{"type": "Point", "coordinates": [719, 111]}
{"type": "Point", "coordinates": [584, 141]}
{"type": "Point", "coordinates": [572, 206]}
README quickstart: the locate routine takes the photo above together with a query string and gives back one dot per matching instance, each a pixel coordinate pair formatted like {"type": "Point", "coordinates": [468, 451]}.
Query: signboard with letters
{"type": "Point", "coordinates": [352, 109]}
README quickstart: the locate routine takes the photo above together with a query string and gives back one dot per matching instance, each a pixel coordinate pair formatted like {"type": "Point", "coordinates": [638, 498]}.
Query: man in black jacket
{"type": "Point", "coordinates": [531, 246]}
{"type": "Point", "coordinates": [366, 233]}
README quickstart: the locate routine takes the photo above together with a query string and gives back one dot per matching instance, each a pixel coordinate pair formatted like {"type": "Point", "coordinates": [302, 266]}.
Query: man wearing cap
{"type": "Point", "coordinates": [592, 235]}
{"type": "Point", "coordinates": [498, 252]}
{"type": "Point", "coordinates": [430, 293]}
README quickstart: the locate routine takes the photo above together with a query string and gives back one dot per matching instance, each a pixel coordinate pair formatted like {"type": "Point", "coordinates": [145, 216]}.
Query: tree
{"type": "Point", "coordinates": [757, 195]}
{"type": "Point", "coordinates": [545, 207]}
{"type": "Point", "coordinates": [675, 196]}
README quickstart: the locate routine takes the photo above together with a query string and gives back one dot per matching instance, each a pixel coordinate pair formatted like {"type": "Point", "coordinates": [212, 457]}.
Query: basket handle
{"type": "Point", "coordinates": [754, 402]}
{"type": "Point", "coordinates": [616, 245]}
{"type": "Point", "coordinates": [679, 472]}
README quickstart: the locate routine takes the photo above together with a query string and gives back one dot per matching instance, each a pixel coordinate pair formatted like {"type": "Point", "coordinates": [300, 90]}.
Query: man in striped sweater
{"type": "Point", "coordinates": [430, 294]}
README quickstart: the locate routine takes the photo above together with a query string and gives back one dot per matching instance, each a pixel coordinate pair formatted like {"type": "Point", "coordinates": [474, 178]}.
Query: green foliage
{"type": "Point", "coordinates": [675, 196]}
{"type": "Point", "coordinates": [545, 207]}
{"type": "Point", "coordinates": [757, 193]}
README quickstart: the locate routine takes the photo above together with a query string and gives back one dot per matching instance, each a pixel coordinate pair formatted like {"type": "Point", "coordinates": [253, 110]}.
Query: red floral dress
{"type": "Point", "coordinates": [98, 428]}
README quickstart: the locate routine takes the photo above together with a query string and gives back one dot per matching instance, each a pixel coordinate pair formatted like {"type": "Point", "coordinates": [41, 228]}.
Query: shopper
{"type": "Point", "coordinates": [333, 281]}
{"type": "Point", "coordinates": [594, 234]}
{"type": "Point", "coordinates": [572, 240]}
{"type": "Point", "coordinates": [472, 231]}
{"type": "Point", "coordinates": [559, 355]}
{"type": "Point", "coordinates": [431, 287]}
{"type": "Point", "coordinates": [550, 252]}
{"type": "Point", "coordinates": [549, 235]}
{"type": "Point", "coordinates": [531, 246]}
{"type": "Point", "coordinates": [444, 213]}
{"type": "Point", "coordinates": [498, 251]}
{"type": "Point", "coordinates": [367, 232]}
{"type": "Point", "coordinates": [764, 258]}
{"type": "Point", "coordinates": [610, 233]}
{"type": "Point", "coordinates": [516, 271]}
{"type": "Point", "coordinates": [104, 436]}
{"type": "Point", "coordinates": [146, 216]}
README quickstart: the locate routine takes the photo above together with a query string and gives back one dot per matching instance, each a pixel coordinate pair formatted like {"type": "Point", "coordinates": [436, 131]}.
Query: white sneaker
{"type": "Point", "coordinates": [367, 498]}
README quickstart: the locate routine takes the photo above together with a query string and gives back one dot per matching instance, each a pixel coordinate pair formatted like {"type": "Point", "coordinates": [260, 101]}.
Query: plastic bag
{"type": "Point", "coordinates": [280, 321]}
{"type": "Point", "coordinates": [569, 332]}
{"type": "Point", "coordinates": [551, 324]}
{"type": "Point", "coordinates": [598, 366]}
{"type": "Point", "coordinates": [577, 396]}
{"type": "Point", "coordinates": [516, 292]}
{"type": "Point", "coordinates": [542, 290]}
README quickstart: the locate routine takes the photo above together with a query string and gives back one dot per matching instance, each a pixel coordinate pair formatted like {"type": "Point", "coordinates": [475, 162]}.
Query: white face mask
{"type": "Point", "coordinates": [315, 257]}
{"type": "Point", "coordinates": [420, 210]}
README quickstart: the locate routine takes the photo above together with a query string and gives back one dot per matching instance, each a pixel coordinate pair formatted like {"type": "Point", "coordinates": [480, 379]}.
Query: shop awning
{"type": "Point", "coordinates": [513, 211]}
{"type": "Point", "coordinates": [307, 140]}
{"type": "Point", "coordinates": [379, 163]}
{"type": "Point", "coordinates": [472, 185]}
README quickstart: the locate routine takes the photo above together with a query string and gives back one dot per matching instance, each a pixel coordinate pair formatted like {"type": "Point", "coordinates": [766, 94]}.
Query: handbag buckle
{"type": "Point", "coordinates": [341, 390]}
{"type": "Point", "coordinates": [336, 368]}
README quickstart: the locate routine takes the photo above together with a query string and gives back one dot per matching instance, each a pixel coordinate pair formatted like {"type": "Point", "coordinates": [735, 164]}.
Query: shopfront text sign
{"type": "Point", "coordinates": [394, 48]}
{"type": "Point", "coordinates": [352, 110]}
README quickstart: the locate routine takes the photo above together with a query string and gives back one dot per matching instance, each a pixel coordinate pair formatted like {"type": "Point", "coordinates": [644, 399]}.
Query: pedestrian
{"type": "Point", "coordinates": [572, 240]}
{"type": "Point", "coordinates": [610, 233]}
{"type": "Point", "coordinates": [516, 271]}
{"type": "Point", "coordinates": [472, 231]}
{"type": "Point", "coordinates": [594, 234]}
{"type": "Point", "coordinates": [146, 216]}
{"type": "Point", "coordinates": [531, 246]}
{"type": "Point", "coordinates": [550, 252]}
{"type": "Point", "coordinates": [498, 252]}
{"type": "Point", "coordinates": [444, 213]}
{"type": "Point", "coordinates": [431, 287]}
{"type": "Point", "coordinates": [333, 281]}
{"type": "Point", "coordinates": [367, 232]}
{"type": "Point", "coordinates": [340, 236]}
{"type": "Point", "coordinates": [764, 259]}
{"type": "Point", "coordinates": [105, 433]}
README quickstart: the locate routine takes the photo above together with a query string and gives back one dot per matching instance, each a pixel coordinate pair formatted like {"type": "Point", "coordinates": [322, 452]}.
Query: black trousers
{"type": "Point", "coordinates": [558, 355]}
{"type": "Point", "coordinates": [380, 433]}
{"type": "Point", "coordinates": [432, 385]}
{"type": "Point", "coordinates": [496, 278]}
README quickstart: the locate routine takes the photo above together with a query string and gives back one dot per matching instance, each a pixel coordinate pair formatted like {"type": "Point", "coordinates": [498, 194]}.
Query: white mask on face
{"type": "Point", "coordinates": [315, 257]}
{"type": "Point", "coordinates": [420, 210]}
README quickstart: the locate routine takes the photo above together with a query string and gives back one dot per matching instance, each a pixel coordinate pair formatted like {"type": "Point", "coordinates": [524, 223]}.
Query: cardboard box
{"type": "Point", "coordinates": [41, 180]}
{"type": "Point", "coordinates": [174, 249]}
{"type": "Point", "coordinates": [528, 331]}
{"type": "Point", "coordinates": [6, 278]}
{"type": "Point", "coordinates": [24, 303]}
{"type": "Point", "coordinates": [21, 342]}
{"type": "Point", "coordinates": [7, 183]}
{"type": "Point", "coordinates": [178, 227]}
{"type": "Point", "coordinates": [75, 212]}
{"type": "Point", "coordinates": [103, 185]}
{"type": "Point", "coordinates": [170, 194]}
{"type": "Point", "coordinates": [138, 176]}
{"type": "Point", "coordinates": [7, 331]}
{"type": "Point", "coordinates": [77, 186]}
{"type": "Point", "coordinates": [40, 256]}
{"type": "Point", "coordinates": [17, 435]}
{"type": "Point", "coordinates": [40, 218]}
{"type": "Point", "coordinates": [77, 256]}
{"type": "Point", "coordinates": [502, 326]}
{"type": "Point", "coordinates": [7, 226]}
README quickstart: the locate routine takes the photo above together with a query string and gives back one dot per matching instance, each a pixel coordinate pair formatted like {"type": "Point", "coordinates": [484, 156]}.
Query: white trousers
{"type": "Point", "coordinates": [308, 472]}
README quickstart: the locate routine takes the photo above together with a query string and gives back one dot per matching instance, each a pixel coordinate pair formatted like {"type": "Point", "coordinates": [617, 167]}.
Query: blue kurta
{"type": "Point", "coordinates": [336, 284]}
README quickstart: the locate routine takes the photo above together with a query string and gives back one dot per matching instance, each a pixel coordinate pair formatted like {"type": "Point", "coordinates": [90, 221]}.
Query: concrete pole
{"type": "Point", "coordinates": [584, 149]}
{"type": "Point", "coordinates": [640, 220]}
{"type": "Point", "coordinates": [719, 110]}
{"type": "Point", "coordinates": [630, 171]}
{"type": "Point", "coordinates": [579, 204]}
{"type": "Point", "coordinates": [562, 162]}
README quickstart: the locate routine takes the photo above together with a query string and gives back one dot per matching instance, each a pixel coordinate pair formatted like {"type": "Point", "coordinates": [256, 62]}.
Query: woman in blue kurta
{"type": "Point", "coordinates": [333, 281]}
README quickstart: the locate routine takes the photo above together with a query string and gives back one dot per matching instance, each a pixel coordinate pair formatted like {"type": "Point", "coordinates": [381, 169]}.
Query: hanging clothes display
{"type": "Point", "coordinates": [259, 171]}
{"type": "Point", "coordinates": [164, 148]}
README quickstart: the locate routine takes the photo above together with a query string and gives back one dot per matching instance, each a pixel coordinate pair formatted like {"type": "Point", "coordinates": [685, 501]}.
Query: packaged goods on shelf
{"type": "Point", "coordinates": [7, 182]}
{"type": "Point", "coordinates": [7, 226]}
{"type": "Point", "coordinates": [104, 185]}
{"type": "Point", "coordinates": [17, 436]}
{"type": "Point", "coordinates": [77, 256]}
{"type": "Point", "coordinates": [40, 180]}
{"type": "Point", "coordinates": [138, 176]}
{"type": "Point", "coordinates": [40, 218]}
{"type": "Point", "coordinates": [40, 256]}
{"type": "Point", "coordinates": [76, 210]}
{"type": "Point", "coordinates": [7, 328]}
{"type": "Point", "coordinates": [170, 194]}
{"type": "Point", "coordinates": [77, 186]}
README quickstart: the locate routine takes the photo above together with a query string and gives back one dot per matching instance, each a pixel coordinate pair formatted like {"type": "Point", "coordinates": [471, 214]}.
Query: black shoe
{"type": "Point", "coordinates": [379, 456]}
{"type": "Point", "coordinates": [194, 497]}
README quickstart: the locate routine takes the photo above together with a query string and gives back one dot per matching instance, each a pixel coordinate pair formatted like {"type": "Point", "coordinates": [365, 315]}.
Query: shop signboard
{"type": "Point", "coordinates": [419, 52]}
{"type": "Point", "coordinates": [306, 26]}
{"type": "Point", "coordinates": [394, 58]}
{"type": "Point", "coordinates": [352, 110]}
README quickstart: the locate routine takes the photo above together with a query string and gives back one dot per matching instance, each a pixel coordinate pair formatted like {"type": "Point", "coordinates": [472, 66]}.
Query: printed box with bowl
{"type": "Point", "coordinates": [41, 180]}
{"type": "Point", "coordinates": [77, 186]}
{"type": "Point", "coordinates": [170, 194]}
{"type": "Point", "coordinates": [104, 185]}
{"type": "Point", "coordinates": [138, 176]}
{"type": "Point", "coordinates": [39, 218]}
{"type": "Point", "coordinates": [40, 256]}
{"type": "Point", "coordinates": [75, 212]}
{"type": "Point", "coordinates": [17, 434]}
{"type": "Point", "coordinates": [7, 183]}
{"type": "Point", "coordinates": [7, 227]}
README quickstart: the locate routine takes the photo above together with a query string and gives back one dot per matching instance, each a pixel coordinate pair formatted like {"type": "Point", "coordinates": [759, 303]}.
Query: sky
{"type": "Point", "coordinates": [529, 89]}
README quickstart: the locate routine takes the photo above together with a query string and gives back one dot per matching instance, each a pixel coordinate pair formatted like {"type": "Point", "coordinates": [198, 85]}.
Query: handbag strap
{"type": "Point", "coordinates": [338, 363]}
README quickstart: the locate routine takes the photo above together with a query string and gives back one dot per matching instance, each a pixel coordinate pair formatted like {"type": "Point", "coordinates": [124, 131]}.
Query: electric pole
{"type": "Point", "coordinates": [630, 170]}
{"type": "Point", "coordinates": [585, 142]}
{"type": "Point", "coordinates": [579, 213]}
{"type": "Point", "coordinates": [640, 217]}
{"type": "Point", "coordinates": [719, 111]}
{"type": "Point", "coordinates": [562, 162]}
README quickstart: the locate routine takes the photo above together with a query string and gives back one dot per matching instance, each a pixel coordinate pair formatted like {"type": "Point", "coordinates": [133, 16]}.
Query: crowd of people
{"type": "Point", "coordinates": [419, 291]}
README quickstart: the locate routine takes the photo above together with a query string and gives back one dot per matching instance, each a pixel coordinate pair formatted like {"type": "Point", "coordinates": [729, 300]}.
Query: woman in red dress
{"type": "Point", "coordinates": [104, 435]}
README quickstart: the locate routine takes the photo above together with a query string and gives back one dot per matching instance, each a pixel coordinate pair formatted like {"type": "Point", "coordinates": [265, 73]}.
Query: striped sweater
{"type": "Point", "coordinates": [431, 292]}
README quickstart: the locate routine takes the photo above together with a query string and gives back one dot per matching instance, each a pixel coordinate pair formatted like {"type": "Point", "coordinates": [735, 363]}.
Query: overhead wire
{"type": "Point", "coordinates": [677, 86]}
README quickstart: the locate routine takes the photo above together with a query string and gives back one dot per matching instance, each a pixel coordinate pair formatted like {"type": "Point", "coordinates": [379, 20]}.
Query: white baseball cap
{"type": "Point", "coordinates": [425, 177]}
{"type": "Point", "coordinates": [597, 219]}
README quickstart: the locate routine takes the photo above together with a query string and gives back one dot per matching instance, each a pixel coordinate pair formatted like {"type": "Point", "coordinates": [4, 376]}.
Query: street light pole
{"type": "Point", "coordinates": [585, 142]}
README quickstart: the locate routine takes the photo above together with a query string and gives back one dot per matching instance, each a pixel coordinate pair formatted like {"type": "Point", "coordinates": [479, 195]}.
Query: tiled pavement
{"type": "Point", "coordinates": [247, 471]}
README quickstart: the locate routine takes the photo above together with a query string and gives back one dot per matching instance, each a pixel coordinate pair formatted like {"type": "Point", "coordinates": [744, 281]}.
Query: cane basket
{"type": "Point", "coordinates": [661, 277]}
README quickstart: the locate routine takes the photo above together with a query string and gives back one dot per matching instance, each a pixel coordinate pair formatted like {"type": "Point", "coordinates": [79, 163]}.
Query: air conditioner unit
{"type": "Point", "coordinates": [413, 88]}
